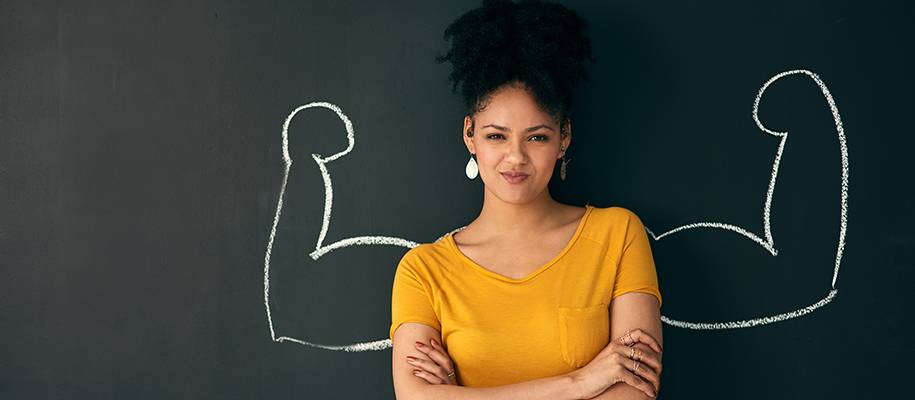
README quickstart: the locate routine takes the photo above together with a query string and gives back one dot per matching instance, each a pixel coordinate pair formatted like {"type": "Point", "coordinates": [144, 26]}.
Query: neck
{"type": "Point", "coordinates": [517, 219]}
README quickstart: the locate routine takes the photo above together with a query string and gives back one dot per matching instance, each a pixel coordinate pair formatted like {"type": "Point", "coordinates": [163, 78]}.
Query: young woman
{"type": "Point", "coordinates": [534, 299]}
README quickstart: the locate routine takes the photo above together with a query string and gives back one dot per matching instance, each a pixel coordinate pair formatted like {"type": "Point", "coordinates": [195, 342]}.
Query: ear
{"type": "Point", "coordinates": [468, 127]}
{"type": "Point", "coordinates": [567, 138]}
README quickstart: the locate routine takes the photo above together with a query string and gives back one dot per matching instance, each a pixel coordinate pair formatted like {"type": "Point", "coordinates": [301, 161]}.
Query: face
{"type": "Point", "coordinates": [513, 134]}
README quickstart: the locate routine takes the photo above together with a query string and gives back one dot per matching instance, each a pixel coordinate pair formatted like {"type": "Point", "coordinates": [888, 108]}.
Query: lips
{"type": "Point", "coordinates": [515, 177]}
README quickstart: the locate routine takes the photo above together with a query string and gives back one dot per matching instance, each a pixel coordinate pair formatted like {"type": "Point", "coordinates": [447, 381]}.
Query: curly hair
{"type": "Point", "coordinates": [538, 45]}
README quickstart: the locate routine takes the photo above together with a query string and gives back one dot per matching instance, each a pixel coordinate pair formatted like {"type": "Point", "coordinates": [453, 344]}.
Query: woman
{"type": "Point", "coordinates": [523, 302]}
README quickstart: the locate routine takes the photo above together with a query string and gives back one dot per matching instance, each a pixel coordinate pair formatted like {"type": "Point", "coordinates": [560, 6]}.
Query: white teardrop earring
{"type": "Point", "coordinates": [472, 169]}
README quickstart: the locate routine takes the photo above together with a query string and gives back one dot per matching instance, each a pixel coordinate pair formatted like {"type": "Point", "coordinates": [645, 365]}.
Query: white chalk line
{"type": "Point", "coordinates": [751, 322]}
{"type": "Point", "coordinates": [768, 243]}
{"type": "Point", "coordinates": [321, 249]}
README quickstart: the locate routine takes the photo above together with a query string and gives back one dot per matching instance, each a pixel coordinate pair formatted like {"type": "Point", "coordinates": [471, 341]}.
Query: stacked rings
{"type": "Point", "coordinates": [627, 336]}
{"type": "Point", "coordinates": [632, 351]}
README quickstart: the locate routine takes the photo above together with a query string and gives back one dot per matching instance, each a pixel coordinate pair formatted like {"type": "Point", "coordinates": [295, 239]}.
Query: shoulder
{"type": "Point", "coordinates": [614, 215]}
{"type": "Point", "coordinates": [429, 249]}
{"type": "Point", "coordinates": [426, 256]}
{"type": "Point", "coordinates": [613, 225]}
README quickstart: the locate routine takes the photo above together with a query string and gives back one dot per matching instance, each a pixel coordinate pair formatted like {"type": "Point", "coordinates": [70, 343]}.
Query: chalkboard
{"type": "Point", "coordinates": [208, 199]}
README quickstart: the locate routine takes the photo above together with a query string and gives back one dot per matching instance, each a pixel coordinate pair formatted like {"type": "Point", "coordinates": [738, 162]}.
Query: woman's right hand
{"type": "Point", "coordinates": [617, 362]}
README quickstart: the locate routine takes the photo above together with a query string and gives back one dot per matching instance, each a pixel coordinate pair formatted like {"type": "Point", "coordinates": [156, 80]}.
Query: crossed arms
{"type": "Point", "coordinates": [628, 311]}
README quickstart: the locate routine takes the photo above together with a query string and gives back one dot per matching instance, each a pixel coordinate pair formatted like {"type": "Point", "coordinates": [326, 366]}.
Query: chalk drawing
{"type": "Point", "coordinates": [768, 243]}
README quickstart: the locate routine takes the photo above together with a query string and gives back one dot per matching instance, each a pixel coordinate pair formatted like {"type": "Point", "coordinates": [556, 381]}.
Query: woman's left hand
{"type": "Point", "coordinates": [436, 369]}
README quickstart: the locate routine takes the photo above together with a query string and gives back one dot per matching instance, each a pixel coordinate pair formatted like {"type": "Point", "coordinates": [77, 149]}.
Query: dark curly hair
{"type": "Point", "coordinates": [538, 45]}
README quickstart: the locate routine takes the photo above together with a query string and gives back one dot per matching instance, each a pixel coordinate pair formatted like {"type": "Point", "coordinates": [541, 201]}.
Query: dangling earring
{"type": "Point", "coordinates": [472, 169]}
{"type": "Point", "coordinates": [562, 168]}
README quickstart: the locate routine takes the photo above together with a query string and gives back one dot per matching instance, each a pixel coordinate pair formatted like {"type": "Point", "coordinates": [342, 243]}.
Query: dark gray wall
{"type": "Point", "coordinates": [141, 165]}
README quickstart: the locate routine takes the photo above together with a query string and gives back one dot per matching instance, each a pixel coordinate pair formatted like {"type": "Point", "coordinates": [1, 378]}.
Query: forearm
{"type": "Point", "coordinates": [559, 387]}
{"type": "Point", "coordinates": [621, 391]}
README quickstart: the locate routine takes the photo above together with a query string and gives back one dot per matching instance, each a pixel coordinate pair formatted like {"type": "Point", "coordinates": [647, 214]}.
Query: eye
{"type": "Point", "coordinates": [543, 138]}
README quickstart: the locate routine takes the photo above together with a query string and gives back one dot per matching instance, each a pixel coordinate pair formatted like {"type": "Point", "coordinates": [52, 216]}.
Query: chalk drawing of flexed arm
{"type": "Point", "coordinates": [320, 248]}
{"type": "Point", "coordinates": [767, 242]}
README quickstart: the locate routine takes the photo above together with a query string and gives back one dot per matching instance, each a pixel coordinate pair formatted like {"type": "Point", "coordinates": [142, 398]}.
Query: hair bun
{"type": "Point", "coordinates": [540, 44]}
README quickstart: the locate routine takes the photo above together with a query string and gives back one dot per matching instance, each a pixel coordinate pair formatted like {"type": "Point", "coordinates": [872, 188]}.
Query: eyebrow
{"type": "Point", "coordinates": [531, 129]}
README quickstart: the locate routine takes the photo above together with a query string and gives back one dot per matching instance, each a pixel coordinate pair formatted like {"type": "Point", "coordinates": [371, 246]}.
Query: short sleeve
{"type": "Point", "coordinates": [636, 270]}
{"type": "Point", "coordinates": [411, 300]}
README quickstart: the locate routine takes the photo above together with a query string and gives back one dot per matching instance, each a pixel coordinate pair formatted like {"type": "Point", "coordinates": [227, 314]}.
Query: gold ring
{"type": "Point", "coordinates": [628, 335]}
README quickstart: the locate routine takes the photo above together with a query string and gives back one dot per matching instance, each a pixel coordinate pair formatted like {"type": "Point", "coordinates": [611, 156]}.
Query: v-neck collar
{"type": "Point", "coordinates": [449, 239]}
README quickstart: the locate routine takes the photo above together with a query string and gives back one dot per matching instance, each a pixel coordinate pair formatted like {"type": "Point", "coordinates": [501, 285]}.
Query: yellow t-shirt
{"type": "Point", "coordinates": [500, 330]}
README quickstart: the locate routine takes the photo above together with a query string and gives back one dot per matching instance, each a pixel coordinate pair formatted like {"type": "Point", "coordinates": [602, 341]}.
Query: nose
{"type": "Point", "coordinates": [515, 153]}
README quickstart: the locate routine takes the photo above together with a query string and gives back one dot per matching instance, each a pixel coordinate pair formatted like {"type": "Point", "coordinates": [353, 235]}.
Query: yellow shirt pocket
{"type": "Point", "coordinates": [583, 332]}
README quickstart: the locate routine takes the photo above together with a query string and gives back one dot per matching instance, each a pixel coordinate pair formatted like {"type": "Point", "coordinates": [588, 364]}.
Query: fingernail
{"type": "Point", "coordinates": [415, 372]}
{"type": "Point", "coordinates": [420, 344]}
